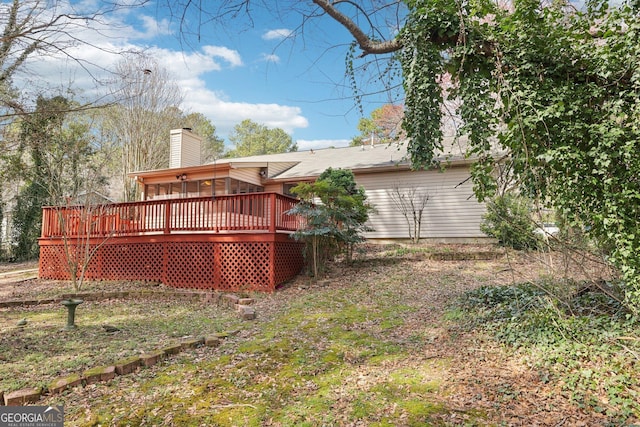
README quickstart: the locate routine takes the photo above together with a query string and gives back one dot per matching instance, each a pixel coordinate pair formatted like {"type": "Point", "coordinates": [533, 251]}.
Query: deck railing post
{"type": "Point", "coordinates": [167, 217]}
{"type": "Point", "coordinates": [45, 222]}
{"type": "Point", "coordinates": [272, 224]}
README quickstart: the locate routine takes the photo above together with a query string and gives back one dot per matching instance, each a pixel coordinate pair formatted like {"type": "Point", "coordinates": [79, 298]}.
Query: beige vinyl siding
{"type": "Point", "coordinates": [175, 150]}
{"type": "Point", "coordinates": [251, 175]}
{"type": "Point", "coordinates": [276, 168]}
{"type": "Point", "coordinates": [273, 188]}
{"type": "Point", "coordinates": [184, 149]}
{"type": "Point", "coordinates": [451, 212]}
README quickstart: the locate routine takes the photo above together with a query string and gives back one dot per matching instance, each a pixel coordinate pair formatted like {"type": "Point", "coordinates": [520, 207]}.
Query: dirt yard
{"type": "Point", "coordinates": [370, 344]}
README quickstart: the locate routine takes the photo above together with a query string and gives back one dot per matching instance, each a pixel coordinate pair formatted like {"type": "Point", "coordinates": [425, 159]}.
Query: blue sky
{"type": "Point", "coordinates": [270, 70]}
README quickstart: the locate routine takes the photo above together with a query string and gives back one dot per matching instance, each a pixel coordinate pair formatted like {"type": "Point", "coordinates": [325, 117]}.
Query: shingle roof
{"type": "Point", "coordinates": [314, 162]}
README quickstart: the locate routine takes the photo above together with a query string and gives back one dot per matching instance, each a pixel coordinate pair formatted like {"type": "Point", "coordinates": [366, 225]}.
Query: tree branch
{"type": "Point", "coordinates": [367, 45]}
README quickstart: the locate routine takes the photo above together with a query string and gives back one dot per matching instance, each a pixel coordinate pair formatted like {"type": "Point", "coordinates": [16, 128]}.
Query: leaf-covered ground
{"type": "Point", "coordinates": [373, 344]}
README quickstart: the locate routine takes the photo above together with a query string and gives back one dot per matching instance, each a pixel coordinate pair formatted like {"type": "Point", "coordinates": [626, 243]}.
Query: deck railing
{"type": "Point", "coordinates": [241, 212]}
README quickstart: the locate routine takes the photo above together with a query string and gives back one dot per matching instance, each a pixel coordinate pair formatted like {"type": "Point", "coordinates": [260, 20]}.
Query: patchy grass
{"type": "Point", "coordinates": [326, 359]}
{"type": "Point", "coordinates": [6, 267]}
{"type": "Point", "coordinates": [34, 354]}
{"type": "Point", "coordinates": [376, 343]}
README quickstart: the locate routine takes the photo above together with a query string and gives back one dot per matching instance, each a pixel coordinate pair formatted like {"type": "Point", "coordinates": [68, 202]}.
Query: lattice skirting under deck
{"type": "Point", "coordinates": [243, 262]}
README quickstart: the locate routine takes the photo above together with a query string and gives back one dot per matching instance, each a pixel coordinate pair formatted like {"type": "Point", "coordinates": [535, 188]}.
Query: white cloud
{"type": "Point", "coordinates": [279, 34]}
{"type": "Point", "coordinates": [154, 28]}
{"type": "Point", "coordinates": [305, 144]}
{"type": "Point", "coordinates": [270, 57]}
{"type": "Point", "coordinates": [229, 55]}
{"type": "Point", "coordinates": [225, 114]}
{"type": "Point", "coordinates": [188, 69]}
{"type": "Point", "coordinates": [185, 66]}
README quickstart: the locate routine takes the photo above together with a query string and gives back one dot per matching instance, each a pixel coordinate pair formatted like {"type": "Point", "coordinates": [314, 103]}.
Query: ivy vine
{"type": "Point", "coordinates": [554, 88]}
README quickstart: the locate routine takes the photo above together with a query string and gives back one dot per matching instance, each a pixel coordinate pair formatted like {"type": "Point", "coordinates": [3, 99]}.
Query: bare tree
{"type": "Point", "coordinates": [37, 28]}
{"type": "Point", "coordinates": [80, 209]}
{"type": "Point", "coordinates": [81, 213]}
{"type": "Point", "coordinates": [33, 30]}
{"type": "Point", "coordinates": [84, 229]}
{"type": "Point", "coordinates": [411, 202]}
{"type": "Point", "coordinates": [63, 169]}
{"type": "Point", "coordinates": [147, 108]}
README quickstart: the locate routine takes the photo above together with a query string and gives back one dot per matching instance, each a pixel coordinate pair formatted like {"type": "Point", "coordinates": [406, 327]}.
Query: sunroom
{"type": "Point", "coordinates": [197, 226]}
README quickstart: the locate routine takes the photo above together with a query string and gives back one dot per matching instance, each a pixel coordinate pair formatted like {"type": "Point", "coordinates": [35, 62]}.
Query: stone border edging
{"type": "Point", "coordinates": [231, 300]}
{"type": "Point", "coordinates": [107, 373]}
{"type": "Point", "coordinates": [244, 307]}
{"type": "Point", "coordinates": [465, 256]}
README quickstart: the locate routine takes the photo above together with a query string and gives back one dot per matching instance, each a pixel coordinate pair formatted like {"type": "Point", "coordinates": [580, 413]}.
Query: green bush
{"type": "Point", "coordinates": [336, 222]}
{"type": "Point", "coordinates": [508, 220]}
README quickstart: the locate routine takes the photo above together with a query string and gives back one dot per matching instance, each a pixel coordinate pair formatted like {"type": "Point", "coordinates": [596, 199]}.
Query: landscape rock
{"type": "Point", "coordinates": [247, 312]}
{"type": "Point", "coordinates": [64, 383]}
{"type": "Point", "coordinates": [22, 397]}
{"type": "Point", "coordinates": [212, 341]}
{"type": "Point", "coordinates": [127, 366]}
{"type": "Point", "coordinates": [101, 373]}
{"type": "Point", "coordinates": [210, 297]}
{"type": "Point", "coordinates": [172, 349]}
{"type": "Point", "coordinates": [192, 343]}
{"type": "Point", "coordinates": [227, 334]}
{"type": "Point", "coordinates": [152, 358]}
{"type": "Point", "coordinates": [14, 303]}
{"type": "Point", "coordinates": [230, 299]}
{"type": "Point", "coordinates": [110, 329]}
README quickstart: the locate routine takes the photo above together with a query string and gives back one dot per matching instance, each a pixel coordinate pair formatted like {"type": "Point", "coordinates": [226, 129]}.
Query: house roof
{"type": "Point", "coordinates": [309, 164]}
{"type": "Point", "coordinates": [301, 164]}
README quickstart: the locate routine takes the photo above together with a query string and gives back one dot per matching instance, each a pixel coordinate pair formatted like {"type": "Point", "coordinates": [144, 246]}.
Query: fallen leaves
{"type": "Point", "coordinates": [367, 344]}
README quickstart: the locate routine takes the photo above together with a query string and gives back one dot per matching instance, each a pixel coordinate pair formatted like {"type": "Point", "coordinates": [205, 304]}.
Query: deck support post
{"type": "Point", "coordinates": [272, 213]}
{"type": "Point", "coordinates": [167, 217]}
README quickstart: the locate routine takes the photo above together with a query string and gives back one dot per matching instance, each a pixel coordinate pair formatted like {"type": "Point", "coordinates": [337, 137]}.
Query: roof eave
{"type": "Point", "coordinates": [177, 171]}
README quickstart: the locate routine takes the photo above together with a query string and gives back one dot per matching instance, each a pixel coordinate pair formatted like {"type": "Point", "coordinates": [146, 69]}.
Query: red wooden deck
{"type": "Point", "coordinates": [234, 243]}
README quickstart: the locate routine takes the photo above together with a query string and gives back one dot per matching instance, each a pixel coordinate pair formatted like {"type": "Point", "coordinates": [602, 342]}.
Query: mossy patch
{"type": "Point", "coordinates": [420, 410]}
{"type": "Point", "coordinates": [231, 414]}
